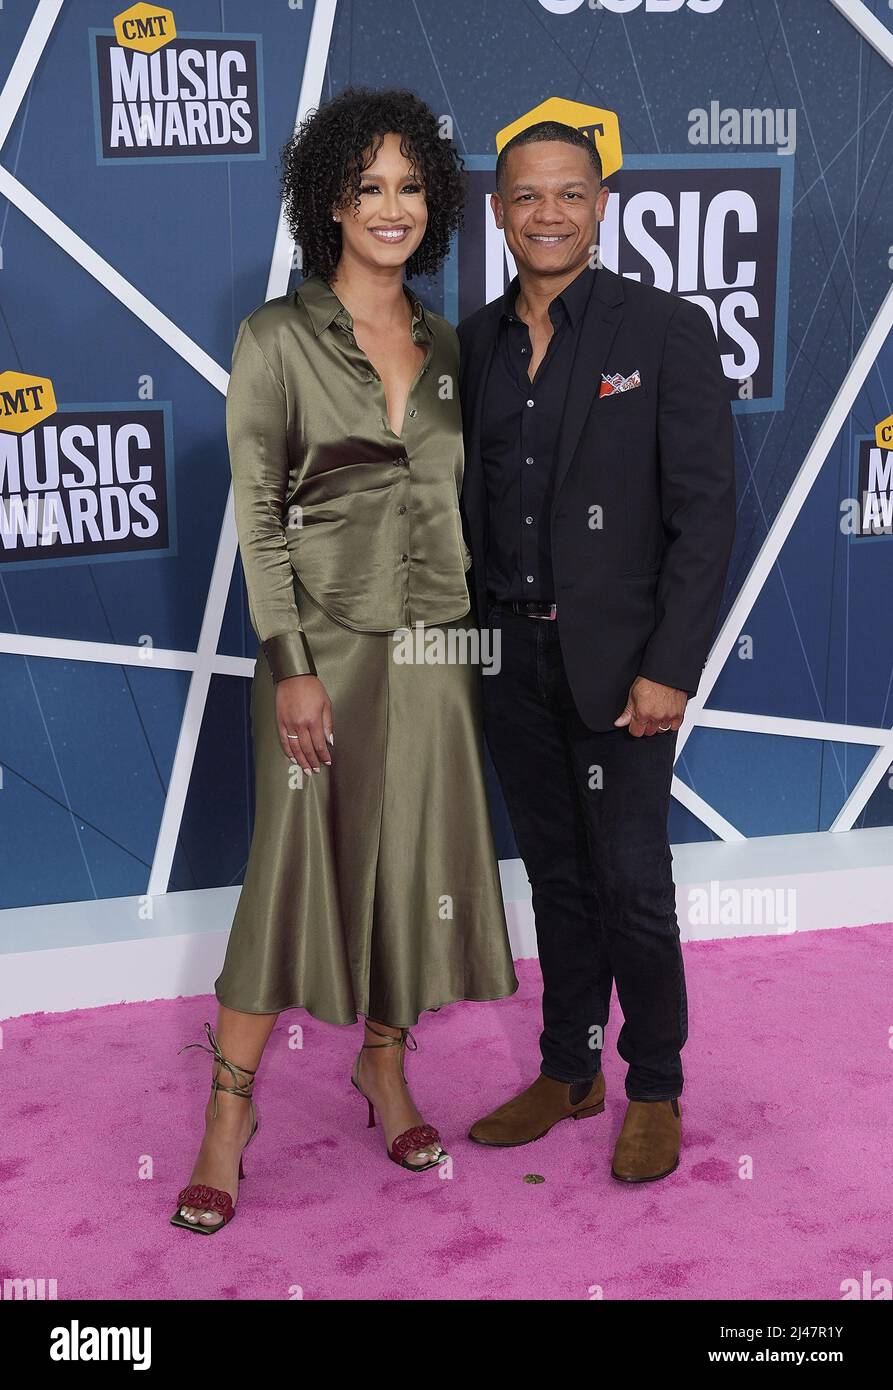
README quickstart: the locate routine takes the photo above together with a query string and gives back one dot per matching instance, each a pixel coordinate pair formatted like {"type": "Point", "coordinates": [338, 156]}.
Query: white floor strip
{"type": "Point", "coordinates": [83, 955]}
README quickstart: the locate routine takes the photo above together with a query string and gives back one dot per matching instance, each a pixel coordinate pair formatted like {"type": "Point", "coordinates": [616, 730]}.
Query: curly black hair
{"type": "Point", "coordinates": [323, 162]}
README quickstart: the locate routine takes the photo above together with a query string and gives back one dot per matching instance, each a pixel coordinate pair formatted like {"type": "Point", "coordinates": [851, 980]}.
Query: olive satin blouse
{"type": "Point", "coordinates": [323, 487]}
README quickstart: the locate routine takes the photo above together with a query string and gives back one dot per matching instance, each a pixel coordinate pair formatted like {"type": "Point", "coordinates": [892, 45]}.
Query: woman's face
{"type": "Point", "coordinates": [391, 219]}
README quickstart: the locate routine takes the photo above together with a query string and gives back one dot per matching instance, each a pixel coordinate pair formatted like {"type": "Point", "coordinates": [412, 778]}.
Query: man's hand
{"type": "Point", "coordinates": [304, 708]}
{"type": "Point", "coordinates": [652, 708]}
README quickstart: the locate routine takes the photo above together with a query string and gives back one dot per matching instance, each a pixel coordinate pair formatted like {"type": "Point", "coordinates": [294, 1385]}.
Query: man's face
{"type": "Point", "coordinates": [549, 207]}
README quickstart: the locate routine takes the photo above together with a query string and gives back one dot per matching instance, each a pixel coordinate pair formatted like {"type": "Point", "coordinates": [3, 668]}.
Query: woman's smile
{"type": "Point", "coordinates": [390, 234]}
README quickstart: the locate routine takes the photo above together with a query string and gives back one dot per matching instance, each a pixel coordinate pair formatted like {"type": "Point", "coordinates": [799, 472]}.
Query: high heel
{"type": "Point", "coordinates": [420, 1136]}
{"type": "Point", "coordinates": [199, 1195]}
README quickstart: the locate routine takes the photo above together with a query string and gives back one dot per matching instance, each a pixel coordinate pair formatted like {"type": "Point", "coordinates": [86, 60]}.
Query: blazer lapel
{"type": "Point", "coordinates": [600, 323]}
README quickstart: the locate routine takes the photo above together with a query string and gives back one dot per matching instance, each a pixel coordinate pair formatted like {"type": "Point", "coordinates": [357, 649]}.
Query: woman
{"type": "Point", "coordinates": [372, 886]}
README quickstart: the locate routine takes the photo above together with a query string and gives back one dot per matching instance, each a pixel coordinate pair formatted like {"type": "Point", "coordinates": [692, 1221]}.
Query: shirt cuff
{"type": "Point", "coordinates": [287, 655]}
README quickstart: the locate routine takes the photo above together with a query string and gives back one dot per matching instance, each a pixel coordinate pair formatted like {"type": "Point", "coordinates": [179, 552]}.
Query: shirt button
{"type": "Point", "coordinates": [530, 402]}
{"type": "Point", "coordinates": [403, 559]}
{"type": "Point", "coordinates": [413, 411]}
{"type": "Point", "coordinates": [529, 520]}
{"type": "Point", "coordinates": [529, 459]}
{"type": "Point", "coordinates": [530, 579]}
{"type": "Point", "coordinates": [403, 459]}
{"type": "Point", "coordinates": [401, 510]}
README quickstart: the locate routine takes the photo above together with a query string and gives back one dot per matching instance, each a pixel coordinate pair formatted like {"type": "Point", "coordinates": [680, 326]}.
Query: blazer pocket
{"type": "Point", "coordinates": [610, 402]}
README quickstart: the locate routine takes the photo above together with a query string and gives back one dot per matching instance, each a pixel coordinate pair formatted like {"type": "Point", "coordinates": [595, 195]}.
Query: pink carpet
{"type": "Point", "coordinates": [788, 1064]}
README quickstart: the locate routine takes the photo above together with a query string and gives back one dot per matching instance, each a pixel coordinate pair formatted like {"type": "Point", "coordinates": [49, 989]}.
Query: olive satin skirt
{"type": "Point", "coordinates": [372, 886]}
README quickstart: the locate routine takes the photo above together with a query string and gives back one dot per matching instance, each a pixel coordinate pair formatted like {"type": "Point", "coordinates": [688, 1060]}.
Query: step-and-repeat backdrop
{"type": "Point", "coordinates": [748, 147]}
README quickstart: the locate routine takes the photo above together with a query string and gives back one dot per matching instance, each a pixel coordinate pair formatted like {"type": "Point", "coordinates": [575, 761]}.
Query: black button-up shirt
{"type": "Point", "coordinates": [519, 437]}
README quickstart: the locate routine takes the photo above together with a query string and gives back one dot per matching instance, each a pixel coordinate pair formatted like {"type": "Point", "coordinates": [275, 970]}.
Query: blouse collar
{"type": "Point", "coordinates": [324, 306]}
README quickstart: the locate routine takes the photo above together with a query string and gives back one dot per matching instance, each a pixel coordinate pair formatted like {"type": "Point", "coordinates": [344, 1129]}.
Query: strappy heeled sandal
{"type": "Point", "coordinates": [199, 1195]}
{"type": "Point", "coordinates": [420, 1136]}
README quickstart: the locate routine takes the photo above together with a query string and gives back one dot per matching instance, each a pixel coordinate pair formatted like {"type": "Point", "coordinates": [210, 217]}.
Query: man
{"type": "Point", "coordinates": [599, 505]}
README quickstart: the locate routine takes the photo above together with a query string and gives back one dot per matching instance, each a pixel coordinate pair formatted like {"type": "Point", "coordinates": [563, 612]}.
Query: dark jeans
{"type": "Point", "coordinates": [589, 811]}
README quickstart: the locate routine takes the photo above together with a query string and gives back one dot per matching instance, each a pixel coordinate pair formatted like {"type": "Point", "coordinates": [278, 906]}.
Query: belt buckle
{"type": "Point", "coordinates": [546, 617]}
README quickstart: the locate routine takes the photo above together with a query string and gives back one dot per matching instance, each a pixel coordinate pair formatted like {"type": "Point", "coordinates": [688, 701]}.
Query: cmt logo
{"type": "Point", "coordinates": [145, 28]}
{"type": "Point", "coordinates": [627, 6]}
{"type": "Point", "coordinates": [24, 401]}
{"type": "Point", "coordinates": [602, 127]}
{"type": "Point", "coordinates": [883, 433]}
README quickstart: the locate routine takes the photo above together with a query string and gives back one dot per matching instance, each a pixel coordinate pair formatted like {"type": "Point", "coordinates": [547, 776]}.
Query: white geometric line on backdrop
{"type": "Point", "coordinates": [868, 25]}
{"type": "Point", "coordinates": [706, 813]}
{"type": "Point", "coordinates": [881, 763]}
{"type": "Point", "coordinates": [111, 280]}
{"type": "Point", "coordinates": [738, 722]}
{"type": "Point", "coordinates": [19, 77]}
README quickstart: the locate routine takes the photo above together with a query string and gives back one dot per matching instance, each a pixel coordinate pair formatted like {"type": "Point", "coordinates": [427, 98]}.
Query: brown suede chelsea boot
{"type": "Point", "coordinates": [533, 1112]}
{"type": "Point", "coordinates": [648, 1145]}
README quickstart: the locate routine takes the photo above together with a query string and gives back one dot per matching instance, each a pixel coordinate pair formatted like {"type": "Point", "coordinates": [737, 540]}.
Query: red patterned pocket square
{"type": "Point", "coordinates": [614, 383]}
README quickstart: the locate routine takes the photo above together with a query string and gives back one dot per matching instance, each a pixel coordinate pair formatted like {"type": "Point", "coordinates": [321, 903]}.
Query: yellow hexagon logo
{"type": "Point", "coordinates": [24, 401]}
{"type": "Point", "coordinates": [883, 433]}
{"type": "Point", "coordinates": [145, 27]}
{"type": "Point", "coordinates": [599, 125]}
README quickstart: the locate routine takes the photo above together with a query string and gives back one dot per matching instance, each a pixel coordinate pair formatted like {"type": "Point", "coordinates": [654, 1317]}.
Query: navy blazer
{"type": "Point", "coordinates": [643, 512]}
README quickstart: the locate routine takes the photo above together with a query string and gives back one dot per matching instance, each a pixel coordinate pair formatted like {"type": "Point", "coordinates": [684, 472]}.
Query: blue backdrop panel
{"type": "Point", "coordinates": [87, 746]}
{"type": "Point", "coordinates": [86, 751]}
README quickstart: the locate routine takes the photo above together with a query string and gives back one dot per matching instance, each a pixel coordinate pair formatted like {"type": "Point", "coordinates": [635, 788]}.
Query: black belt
{"type": "Point", "coordinates": [530, 608]}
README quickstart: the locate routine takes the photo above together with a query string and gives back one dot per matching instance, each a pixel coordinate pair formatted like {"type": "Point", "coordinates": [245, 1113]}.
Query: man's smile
{"type": "Point", "coordinates": [548, 238]}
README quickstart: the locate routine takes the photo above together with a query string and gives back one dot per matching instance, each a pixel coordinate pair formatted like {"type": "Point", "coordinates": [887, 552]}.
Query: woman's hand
{"type": "Point", "coordinates": [304, 708]}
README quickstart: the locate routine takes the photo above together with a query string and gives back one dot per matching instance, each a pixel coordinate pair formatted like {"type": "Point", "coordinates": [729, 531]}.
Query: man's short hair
{"type": "Point", "coordinates": [548, 130]}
